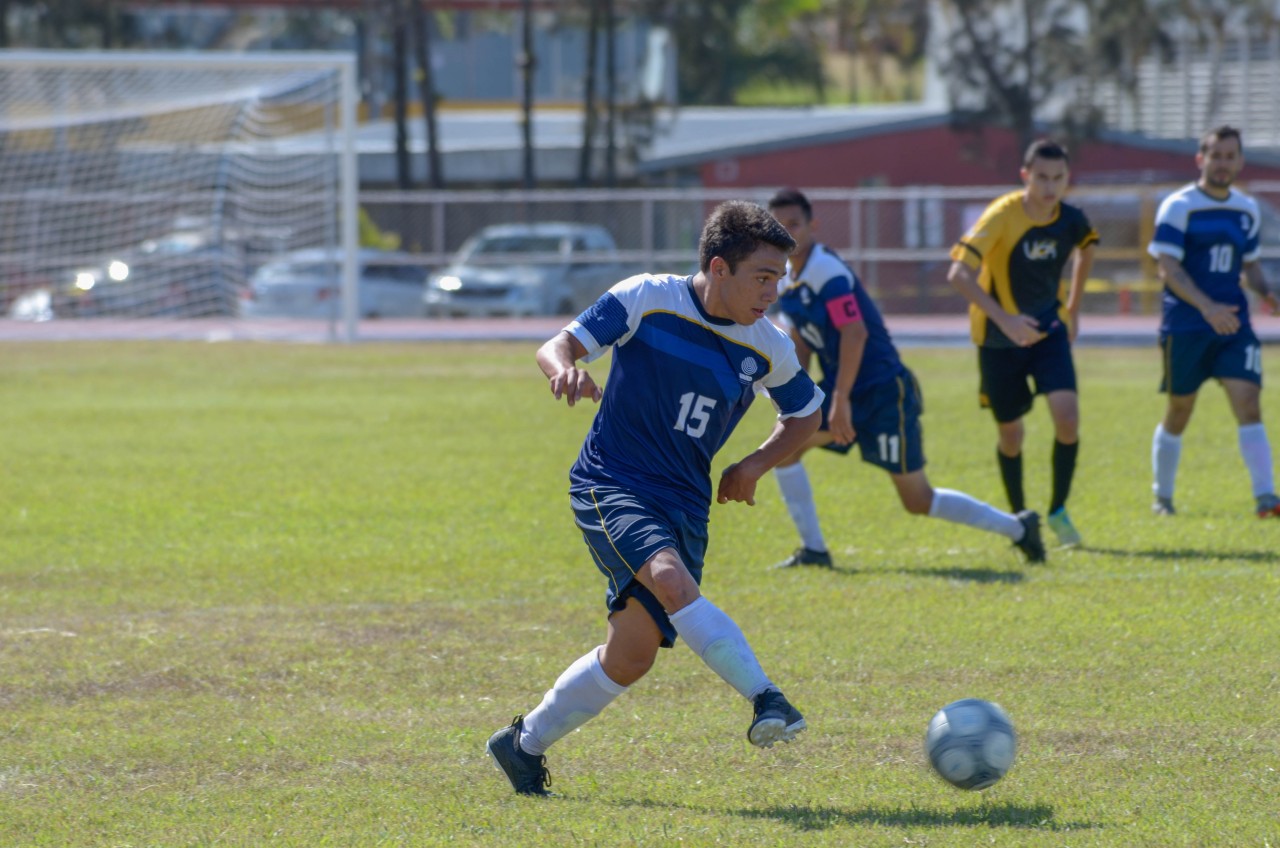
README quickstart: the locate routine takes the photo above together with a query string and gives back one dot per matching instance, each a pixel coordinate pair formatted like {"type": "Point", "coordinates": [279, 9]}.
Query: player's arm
{"type": "Point", "coordinates": [1081, 264]}
{"type": "Point", "coordinates": [1221, 316]}
{"type": "Point", "coordinates": [1022, 330]}
{"type": "Point", "coordinates": [558, 358]}
{"type": "Point", "coordinates": [1256, 280]}
{"type": "Point", "coordinates": [853, 343]}
{"type": "Point", "coordinates": [738, 481]}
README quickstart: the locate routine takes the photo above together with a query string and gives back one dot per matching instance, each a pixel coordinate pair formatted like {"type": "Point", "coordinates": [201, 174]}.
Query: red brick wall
{"type": "Point", "coordinates": [942, 156]}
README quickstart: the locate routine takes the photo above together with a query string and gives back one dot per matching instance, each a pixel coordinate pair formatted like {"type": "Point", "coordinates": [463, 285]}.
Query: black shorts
{"type": "Point", "coordinates": [1007, 374]}
{"type": "Point", "coordinates": [1192, 358]}
{"type": "Point", "coordinates": [886, 417]}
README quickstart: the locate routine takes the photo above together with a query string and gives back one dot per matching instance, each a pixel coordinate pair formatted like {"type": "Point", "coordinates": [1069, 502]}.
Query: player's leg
{"type": "Point", "coordinates": [1064, 408]}
{"type": "Point", "coordinates": [920, 498]}
{"type": "Point", "coordinates": [1005, 390]}
{"type": "Point", "coordinates": [1246, 404]}
{"type": "Point", "coordinates": [1009, 437]}
{"type": "Point", "coordinates": [1166, 450]}
{"type": "Point", "coordinates": [1054, 372]}
{"type": "Point", "coordinates": [592, 682]}
{"type": "Point", "coordinates": [1186, 361]}
{"type": "Point", "coordinates": [797, 495]}
{"type": "Point", "coordinates": [720, 643]}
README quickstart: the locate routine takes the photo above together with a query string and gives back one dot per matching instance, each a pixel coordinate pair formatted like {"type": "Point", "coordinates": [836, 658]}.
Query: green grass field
{"type": "Point", "coordinates": [281, 595]}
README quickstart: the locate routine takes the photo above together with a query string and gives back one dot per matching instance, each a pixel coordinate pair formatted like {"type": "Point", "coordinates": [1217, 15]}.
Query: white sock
{"type": "Point", "coordinates": [1166, 450]}
{"type": "Point", "coordinates": [713, 636]}
{"type": "Point", "coordinates": [950, 505]}
{"type": "Point", "coordinates": [1256, 451]}
{"type": "Point", "coordinates": [578, 696]}
{"type": "Point", "coordinates": [797, 494]}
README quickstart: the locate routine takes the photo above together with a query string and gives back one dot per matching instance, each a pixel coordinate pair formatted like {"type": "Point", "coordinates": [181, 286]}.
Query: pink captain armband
{"type": "Point", "coordinates": [843, 310]}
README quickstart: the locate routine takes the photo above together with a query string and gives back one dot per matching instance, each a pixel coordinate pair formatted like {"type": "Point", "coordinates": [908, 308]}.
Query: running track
{"type": "Point", "coordinates": [907, 330]}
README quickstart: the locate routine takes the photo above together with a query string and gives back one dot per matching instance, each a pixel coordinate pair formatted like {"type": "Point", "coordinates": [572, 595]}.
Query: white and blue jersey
{"type": "Point", "coordinates": [680, 382]}
{"type": "Point", "coordinates": [1212, 239]}
{"type": "Point", "coordinates": [822, 297]}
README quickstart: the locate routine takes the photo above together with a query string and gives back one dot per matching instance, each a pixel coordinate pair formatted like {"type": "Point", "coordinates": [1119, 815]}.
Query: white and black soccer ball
{"type": "Point", "coordinates": [970, 743]}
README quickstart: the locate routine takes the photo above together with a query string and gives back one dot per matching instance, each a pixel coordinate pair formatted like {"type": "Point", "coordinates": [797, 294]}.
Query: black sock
{"type": "Point", "coordinates": [1064, 469]}
{"type": "Point", "coordinates": [1011, 473]}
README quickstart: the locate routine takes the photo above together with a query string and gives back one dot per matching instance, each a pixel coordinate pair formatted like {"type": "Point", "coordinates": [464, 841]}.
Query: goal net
{"type": "Point", "coordinates": [152, 185]}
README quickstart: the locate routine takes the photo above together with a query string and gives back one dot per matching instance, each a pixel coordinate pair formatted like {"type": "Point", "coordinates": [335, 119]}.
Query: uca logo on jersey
{"type": "Point", "coordinates": [1040, 250]}
{"type": "Point", "coordinates": [747, 369]}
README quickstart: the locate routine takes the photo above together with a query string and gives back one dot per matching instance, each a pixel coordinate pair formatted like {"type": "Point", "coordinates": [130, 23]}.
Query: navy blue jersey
{"type": "Point", "coordinates": [822, 297]}
{"type": "Point", "coordinates": [679, 383]}
{"type": "Point", "coordinates": [1212, 239]}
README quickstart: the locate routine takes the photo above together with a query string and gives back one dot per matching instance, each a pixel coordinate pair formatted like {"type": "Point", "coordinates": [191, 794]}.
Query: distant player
{"type": "Point", "coordinates": [688, 353]}
{"type": "Point", "coordinates": [1021, 321]}
{"type": "Point", "coordinates": [873, 401]}
{"type": "Point", "coordinates": [1206, 237]}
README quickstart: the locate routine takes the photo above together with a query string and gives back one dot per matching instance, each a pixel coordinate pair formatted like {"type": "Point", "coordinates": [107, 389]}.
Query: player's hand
{"type": "Point", "coordinates": [737, 483]}
{"type": "Point", "coordinates": [1022, 330]}
{"type": "Point", "coordinates": [574, 384]}
{"type": "Point", "coordinates": [1222, 317]}
{"type": "Point", "coordinates": [840, 422]}
{"type": "Point", "coordinates": [1272, 302]}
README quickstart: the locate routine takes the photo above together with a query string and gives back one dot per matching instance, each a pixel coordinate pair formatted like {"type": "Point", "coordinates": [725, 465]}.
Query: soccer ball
{"type": "Point", "coordinates": [970, 743]}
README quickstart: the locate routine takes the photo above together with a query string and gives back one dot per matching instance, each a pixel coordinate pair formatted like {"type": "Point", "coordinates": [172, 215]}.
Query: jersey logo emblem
{"type": "Point", "coordinates": [1041, 250]}
{"type": "Point", "coordinates": [805, 295]}
{"type": "Point", "coordinates": [747, 369]}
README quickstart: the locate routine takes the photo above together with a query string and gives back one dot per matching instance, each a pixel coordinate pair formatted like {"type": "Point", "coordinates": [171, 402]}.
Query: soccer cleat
{"type": "Point", "coordinates": [1060, 524]}
{"type": "Point", "coordinates": [1164, 506]}
{"type": "Point", "coordinates": [1030, 544]}
{"type": "Point", "coordinates": [1268, 505]}
{"type": "Point", "coordinates": [528, 773]}
{"type": "Point", "coordinates": [806, 556]}
{"type": "Point", "coordinates": [775, 720]}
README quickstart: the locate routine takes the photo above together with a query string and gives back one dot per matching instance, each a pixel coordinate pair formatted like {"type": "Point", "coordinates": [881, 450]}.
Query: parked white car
{"type": "Point", "coordinates": [308, 284]}
{"type": "Point", "coordinates": [526, 269]}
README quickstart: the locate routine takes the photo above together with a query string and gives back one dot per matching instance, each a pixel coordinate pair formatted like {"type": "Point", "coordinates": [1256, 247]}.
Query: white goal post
{"type": "Point", "coordinates": [152, 184]}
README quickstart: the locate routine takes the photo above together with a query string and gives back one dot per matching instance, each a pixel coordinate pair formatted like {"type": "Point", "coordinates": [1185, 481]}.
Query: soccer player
{"type": "Point", "coordinates": [1018, 319]}
{"type": "Point", "coordinates": [688, 353]}
{"type": "Point", "coordinates": [1205, 243]}
{"type": "Point", "coordinates": [872, 400]}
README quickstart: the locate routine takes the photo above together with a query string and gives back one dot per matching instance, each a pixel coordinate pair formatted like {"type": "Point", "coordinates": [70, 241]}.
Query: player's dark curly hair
{"type": "Point", "coordinates": [736, 229]}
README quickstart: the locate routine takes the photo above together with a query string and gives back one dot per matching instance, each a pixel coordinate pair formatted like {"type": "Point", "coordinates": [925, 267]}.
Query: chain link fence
{"type": "Point", "coordinates": [898, 240]}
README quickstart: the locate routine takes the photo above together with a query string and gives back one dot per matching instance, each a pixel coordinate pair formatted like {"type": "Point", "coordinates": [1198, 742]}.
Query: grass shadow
{"type": "Point", "coordinates": [1030, 816]}
{"type": "Point", "coordinates": [969, 575]}
{"type": "Point", "coordinates": [814, 818]}
{"type": "Point", "coordinates": [1186, 553]}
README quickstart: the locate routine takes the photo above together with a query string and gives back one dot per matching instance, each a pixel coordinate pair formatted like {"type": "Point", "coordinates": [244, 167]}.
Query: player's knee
{"type": "Point", "coordinates": [917, 503]}
{"type": "Point", "coordinates": [626, 667]}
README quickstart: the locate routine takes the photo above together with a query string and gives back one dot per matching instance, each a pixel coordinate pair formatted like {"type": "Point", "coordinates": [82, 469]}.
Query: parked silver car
{"type": "Point", "coordinates": [307, 284]}
{"type": "Point", "coordinates": [526, 269]}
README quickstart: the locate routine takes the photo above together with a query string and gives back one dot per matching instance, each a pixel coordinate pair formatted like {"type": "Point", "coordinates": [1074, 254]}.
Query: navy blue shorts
{"type": "Point", "coordinates": [1007, 374]}
{"type": "Point", "coordinates": [623, 532]}
{"type": "Point", "coordinates": [1192, 358]}
{"type": "Point", "coordinates": [886, 417]}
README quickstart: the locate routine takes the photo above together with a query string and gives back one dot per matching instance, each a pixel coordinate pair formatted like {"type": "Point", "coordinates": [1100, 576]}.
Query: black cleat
{"type": "Point", "coordinates": [1030, 544]}
{"type": "Point", "coordinates": [528, 773]}
{"type": "Point", "coordinates": [1163, 506]}
{"type": "Point", "coordinates": [775, 720]}
{"type": "Point", "coordinates": [806, 556]}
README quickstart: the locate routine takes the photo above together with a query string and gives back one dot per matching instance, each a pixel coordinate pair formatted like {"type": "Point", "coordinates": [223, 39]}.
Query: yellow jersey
{"type": "Point", "coordinates": [1021, 262]}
